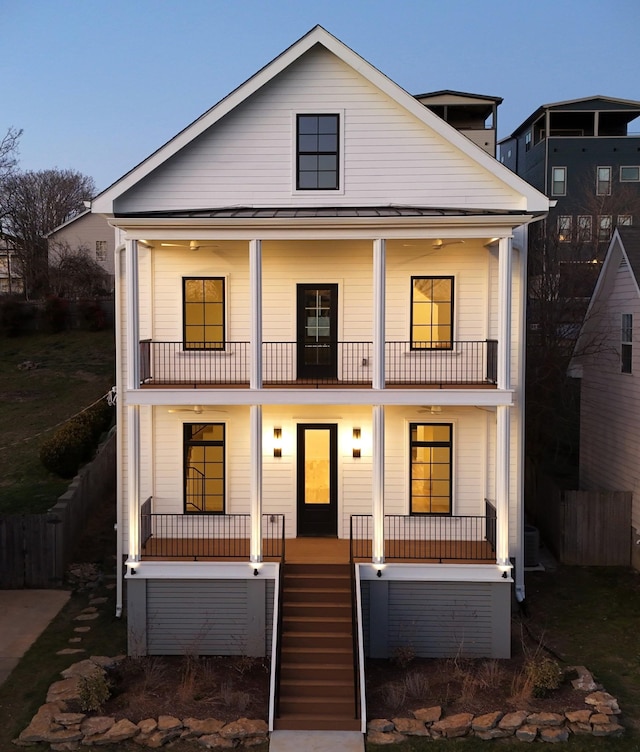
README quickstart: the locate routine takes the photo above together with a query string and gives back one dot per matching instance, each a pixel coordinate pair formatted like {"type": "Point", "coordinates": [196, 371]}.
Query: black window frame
{"type": "Point", "coordinates": [318, 152]}
{"type": "Point", "coordinates": [441, 344]}
{"type": "Point", "coordinates": [205, 345]}
{"type": "Point", "coordinates": [189, 441]}
{"type": "Point", "coordinates": [626, 343]}
{"type": "Point", "coordinates": [436, 444]}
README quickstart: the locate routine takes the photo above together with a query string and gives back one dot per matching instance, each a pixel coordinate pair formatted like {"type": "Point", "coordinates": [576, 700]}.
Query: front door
{"type": "Point", "coordinates": [317, 335]}
{"type": "Point", "coordinates": [317, 479]}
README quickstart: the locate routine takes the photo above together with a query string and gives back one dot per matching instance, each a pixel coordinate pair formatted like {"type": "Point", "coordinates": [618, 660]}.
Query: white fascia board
{"type": "Point", "coordinates": [200, 570]}
{"type": "Point", "coordinates": [436, 572]}
{"type": "Point", "coordinates": [293, 396]}
{"type": "Point", "coordinates": [311, 228]}
{"type": "Point", "coordinates": [532, 200]}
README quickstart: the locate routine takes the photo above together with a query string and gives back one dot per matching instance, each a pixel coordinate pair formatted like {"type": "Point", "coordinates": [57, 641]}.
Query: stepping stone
{"type": "Point", "coordinates": [82, 629]}
{"type": "Point", "coordinates": [74, 639]}
{"type": "Point", "coordinates": [70, 651]}
{"type": "Point", "coordinates": [86, 617]}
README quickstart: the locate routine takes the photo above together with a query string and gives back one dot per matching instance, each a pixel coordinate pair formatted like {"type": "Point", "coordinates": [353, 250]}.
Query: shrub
{"type": "Point", "coordinates": [15, 316]}
{"type": "Point", "coordinates": [91, 315]}
{"type": "Point", "coordinates": [94, 691]}
{"type": "Point", "coordinates": [76, 440]}
{"type": "Point", "coordinates": [56, 313]}
{"type": "Point", "coordinates": [544, 674]}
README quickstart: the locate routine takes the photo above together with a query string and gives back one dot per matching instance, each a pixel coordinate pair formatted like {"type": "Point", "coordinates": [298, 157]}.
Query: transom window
{"type": "Point", "coordinates": [204, 319]}
{"type": "Point", "coordinates": [431, 313]}
{"type": "Point", "coordinates": [317, 152]}
{"type": "Point", "coordinates": [625, 220]}
{"type": "Point", "coordinates": [204, 467]}
{"type": "Point", "coordinates": [559, 181]}
{"type": "Point", "coordinates": [603, 181]}
{"type": "Point", "coordinates": [431, 461]}
{"type": "Point", "coordinates": [626, 342]}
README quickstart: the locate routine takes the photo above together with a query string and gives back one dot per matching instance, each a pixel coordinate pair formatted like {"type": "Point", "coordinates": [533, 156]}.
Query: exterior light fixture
{"type": "Point", "coordinates": [357, 433]}
{"type": "Point", "coordinates": [277, 442]}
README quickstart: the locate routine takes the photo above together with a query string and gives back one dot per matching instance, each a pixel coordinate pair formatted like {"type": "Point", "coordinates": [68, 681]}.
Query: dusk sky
{"type": "Point", "coordinates": [98, 85]}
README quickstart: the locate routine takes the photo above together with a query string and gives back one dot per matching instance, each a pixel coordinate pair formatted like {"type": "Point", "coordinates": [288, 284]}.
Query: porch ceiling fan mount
{"type": "Point", "coordinates": [197, 409]}
{"type": "Point", "coordinates": [192, 245]}
{"type": "Point", "coordinates": [439, 243]}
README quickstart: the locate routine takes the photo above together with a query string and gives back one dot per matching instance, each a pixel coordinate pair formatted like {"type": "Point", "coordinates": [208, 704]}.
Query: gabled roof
{"type": "Point", "coordinates": [103, 203]}
{"type": "Point", "coordinates": [580, 104]}
{"type": "Point", "coordinates": [624, 246]}
{"type": "Point", "coordinates": [68, 222]}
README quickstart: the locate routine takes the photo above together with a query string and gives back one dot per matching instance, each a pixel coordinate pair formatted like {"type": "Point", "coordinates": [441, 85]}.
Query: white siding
{"type": "Point", "coordinates": [248, 157]}
{"type": "Point", "coordinates": [610, 400]}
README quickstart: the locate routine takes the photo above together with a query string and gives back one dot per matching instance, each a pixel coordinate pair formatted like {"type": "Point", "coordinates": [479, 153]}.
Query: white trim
{"type": "Point", "coordinates": [437, 572]}
{"type": "Point", "coordinates": [200, 570]}
{"type": "Point", "coordinates": [531, 199]}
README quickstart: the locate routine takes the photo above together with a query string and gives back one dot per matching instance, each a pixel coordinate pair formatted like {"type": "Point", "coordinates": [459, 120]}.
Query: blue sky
{"type": "Point", "coordinates": [97, 85]}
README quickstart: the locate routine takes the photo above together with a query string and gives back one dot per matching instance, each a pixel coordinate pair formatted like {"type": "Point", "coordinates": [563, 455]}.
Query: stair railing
{"type": "Point", "coordinates": [360, 709]}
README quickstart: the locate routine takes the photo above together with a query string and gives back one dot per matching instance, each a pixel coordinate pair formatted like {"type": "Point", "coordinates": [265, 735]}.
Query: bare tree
{"type": "Point", "coordinates": [9, 153]}
{"type": "Point", "coordinates": [33, 204]}
{"type": "Point", "coordinates": [73, 273]}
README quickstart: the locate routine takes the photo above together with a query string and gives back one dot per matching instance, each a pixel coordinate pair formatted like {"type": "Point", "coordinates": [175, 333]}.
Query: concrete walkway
{"type": "Point", "coordinates": [316, 741]}
{"type": "Point", "coordinates": [24, 615]}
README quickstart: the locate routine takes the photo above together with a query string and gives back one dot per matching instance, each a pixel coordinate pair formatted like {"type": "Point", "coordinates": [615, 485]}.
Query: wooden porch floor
{"type": "Point", "coordinates": [319, 551]}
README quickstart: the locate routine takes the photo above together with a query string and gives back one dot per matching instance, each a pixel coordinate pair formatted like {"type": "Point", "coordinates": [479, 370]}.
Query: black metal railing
{"type": "Point", "coordinates": [194, 536]}
{"type": "Point", "coordinates": [426, 537]}
{"type": "Point", "coordinates": [456, 362]}
{"type": "Point", "coordinates": [196, 363]}
{"type": "Point", "coordinates": [229, 363]}
{"type": "Point", "coordinates": [145, 521]}
{"type": "Point", "coordinates": [491, 522]}
{"type": "Point", "coordinates": [344, 362]}
{"type": "Point", "coordinates": [195, 490]}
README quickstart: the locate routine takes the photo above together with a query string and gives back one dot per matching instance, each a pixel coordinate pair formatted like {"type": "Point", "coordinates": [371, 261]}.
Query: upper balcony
{"type": "Point", "coordinates": [319, 364]}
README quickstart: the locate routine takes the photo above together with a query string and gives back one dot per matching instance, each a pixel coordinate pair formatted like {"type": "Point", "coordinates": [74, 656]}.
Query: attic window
{"type": "Point", "coordinates": [317, 150]}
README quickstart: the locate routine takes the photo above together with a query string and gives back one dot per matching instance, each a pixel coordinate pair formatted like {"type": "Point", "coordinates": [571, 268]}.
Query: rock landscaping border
{"type": "Point", "coordinates": [65, 731]}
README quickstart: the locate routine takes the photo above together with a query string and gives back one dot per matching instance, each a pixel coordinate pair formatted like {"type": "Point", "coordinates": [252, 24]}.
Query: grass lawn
{"type": "Point", "coordinates": [73, 369]}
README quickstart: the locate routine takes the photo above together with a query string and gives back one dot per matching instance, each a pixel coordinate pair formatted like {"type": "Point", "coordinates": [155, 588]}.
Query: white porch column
{"type": "Point", "coordinates": [379, 250]}
{"type": "Point", "coordinates": [133, 315]}
{"type": "Point", "coordinates": [503, 412]}
{"type": "Point", "coordinates": [377, 543]}
{"type": "Point", "coordinates": [255, 284]}
{"type": "Point", "coordinates": [505, 284]}
{"type": "Point", "coordinates": [503, 451]}
{"type": "Point", "coordinates": [133, 411]}
{"type": "Point", "coordinates": [255, 547]}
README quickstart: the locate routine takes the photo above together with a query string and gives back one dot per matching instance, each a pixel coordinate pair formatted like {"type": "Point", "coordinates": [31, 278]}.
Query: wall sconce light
{"type": "Point", "coordinates": [357, 433]}
{"type": "Point", "coordinates": [277, 442]}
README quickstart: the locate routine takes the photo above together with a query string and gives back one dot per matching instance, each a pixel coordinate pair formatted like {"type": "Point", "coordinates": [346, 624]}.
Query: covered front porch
{"type": "Point", "coordinates": [455, 539]}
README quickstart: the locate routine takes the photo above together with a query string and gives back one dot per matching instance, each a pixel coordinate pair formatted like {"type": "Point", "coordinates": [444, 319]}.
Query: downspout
{"type": "Point", "coordinates": [119, 429]}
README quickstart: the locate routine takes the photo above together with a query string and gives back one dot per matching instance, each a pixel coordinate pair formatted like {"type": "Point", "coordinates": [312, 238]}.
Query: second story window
{"type": "Point", "coordinates": [317, 152]}
{"type": "Point", "coordinates": [604, 228]}
{"type": "Point", "coordinates": [559, 181]}
{"type": "Point", "coordinates": [431, 468]}
{"type": "Point", "coordinates": [585, 228]}
{"type": "Point", "coordinates": [626, 343]}
{"type": "Point", "coordinates": [431, 313]}
{"type": "Point", "coordinates": [603, 181]}
{"type": "Point", "coordinates": [565, 226]}
{"type": "Point", "coordinates": [204, 313]}
{"type": "Point", "coordinates": [204, 467]}
{"type": "Point", "coordinates": [101, 251]}
{"type": "Point", "coordinates": [630, 174]}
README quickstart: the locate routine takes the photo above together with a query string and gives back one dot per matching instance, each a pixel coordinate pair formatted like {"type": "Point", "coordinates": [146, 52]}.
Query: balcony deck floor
{"type": "Point", "coordinates": [319, 551]}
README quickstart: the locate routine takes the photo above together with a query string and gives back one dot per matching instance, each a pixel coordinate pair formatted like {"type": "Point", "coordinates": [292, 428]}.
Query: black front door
{"type": "Point", "coordinates": [317, 479]}
{"type": "Point", "coordinates": [317, 331]}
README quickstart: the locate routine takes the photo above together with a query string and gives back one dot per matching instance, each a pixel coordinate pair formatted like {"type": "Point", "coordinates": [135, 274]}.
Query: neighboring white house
{"type": "Point", "coordinates": [608, 363]}
{"type": "Point", "coordinates": [320, 337]}
{"type": "Point", "coordinates": [10, 267]}
{"type": "Point", "coordinates": [89, 234]}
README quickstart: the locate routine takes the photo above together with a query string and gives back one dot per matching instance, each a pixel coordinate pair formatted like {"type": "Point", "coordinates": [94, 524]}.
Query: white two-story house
{"type": "Point", "coordinates": [320, 313]}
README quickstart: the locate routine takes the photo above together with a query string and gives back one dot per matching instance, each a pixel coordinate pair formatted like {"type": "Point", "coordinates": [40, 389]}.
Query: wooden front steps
{"type": "Point", "coordinates": [317, 681]}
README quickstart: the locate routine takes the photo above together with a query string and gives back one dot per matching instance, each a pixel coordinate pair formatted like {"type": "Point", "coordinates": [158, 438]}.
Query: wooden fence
{"type": "Point", "coordinates": [35, 549]}
{"type": "Point", "coordinates": [588, 528]}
